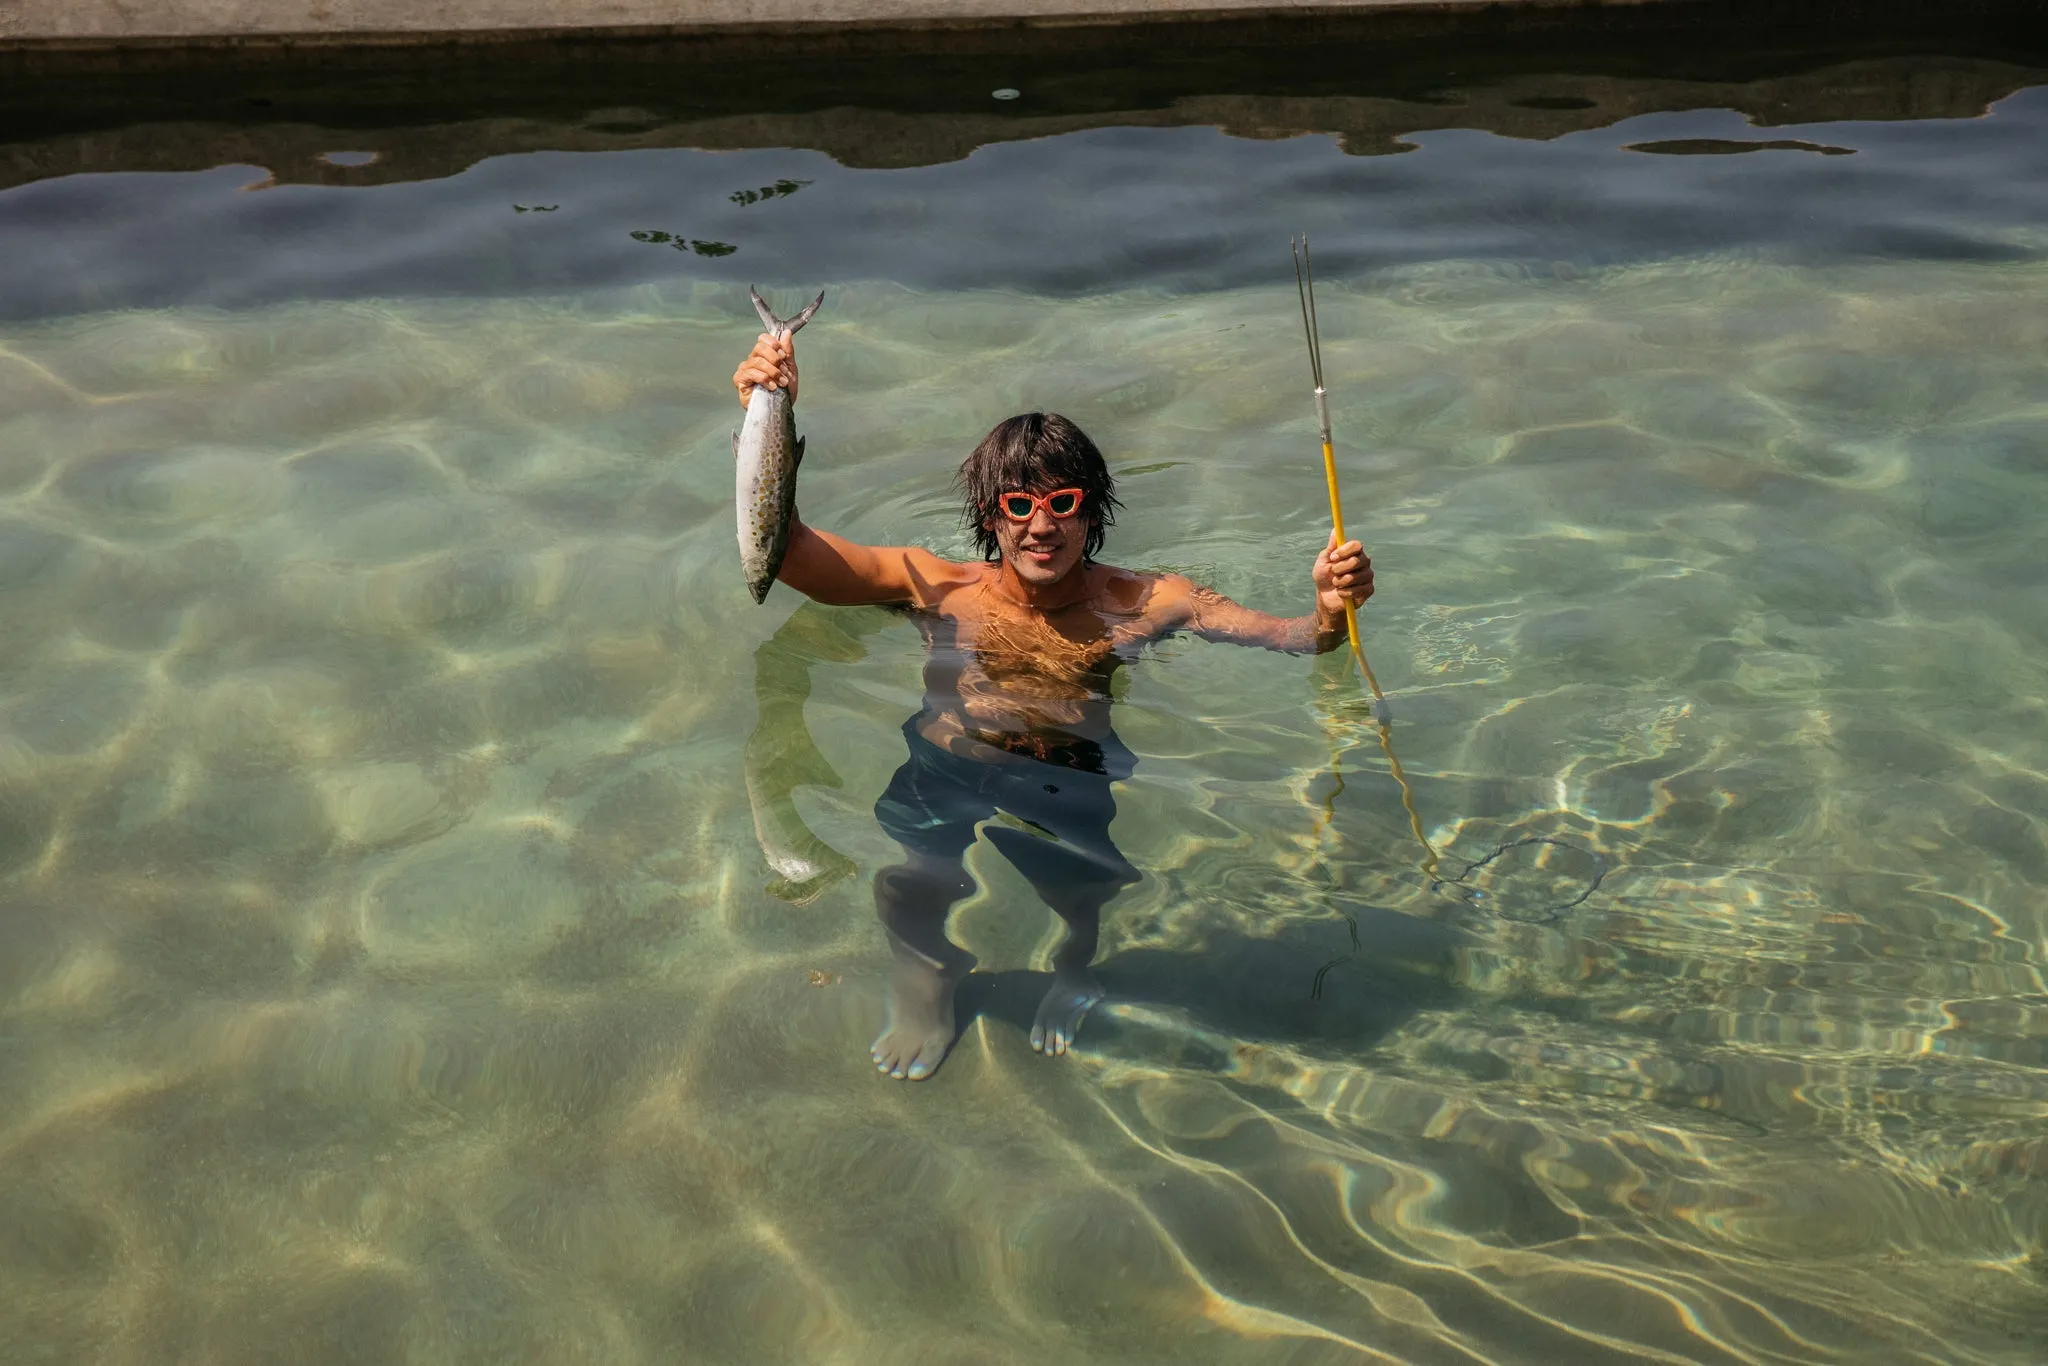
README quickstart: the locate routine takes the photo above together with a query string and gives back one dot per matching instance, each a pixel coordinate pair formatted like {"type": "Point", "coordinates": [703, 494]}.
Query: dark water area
{"type": "Point", "coordinates": [1177, 170]}
{"type": "Point", "coordinates": [1185, 210]}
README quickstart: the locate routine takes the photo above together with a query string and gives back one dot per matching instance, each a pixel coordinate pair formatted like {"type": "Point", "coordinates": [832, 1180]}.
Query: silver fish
{"type": "Point", "coordinates": [765, 453]}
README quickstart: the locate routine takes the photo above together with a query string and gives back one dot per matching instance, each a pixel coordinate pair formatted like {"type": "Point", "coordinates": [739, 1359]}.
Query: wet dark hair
{"type": "Point", "coordinates": [1037, 452]}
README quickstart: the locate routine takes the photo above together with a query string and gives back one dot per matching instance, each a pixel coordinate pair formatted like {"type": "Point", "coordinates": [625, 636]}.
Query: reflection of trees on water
{"type": "Point", "coordinates": [682, 243]}
{"type": "Point", "coordinates": [1708, 147]}
{"type": "Point", "coordinates": [704, 246]}
{"type": "Point", "coordinates": [779, 190]}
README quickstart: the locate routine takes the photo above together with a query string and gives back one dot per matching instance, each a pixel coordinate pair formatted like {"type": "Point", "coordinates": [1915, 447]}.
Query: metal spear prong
{"type": "Point", "coordinates": [1315, 324]}
{"type": "Point", "coordinates": [1303, 288]}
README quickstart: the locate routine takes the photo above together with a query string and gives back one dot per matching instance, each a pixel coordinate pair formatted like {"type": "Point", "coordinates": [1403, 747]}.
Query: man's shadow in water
{"type": "Point", "coordinates": [1243, 987]}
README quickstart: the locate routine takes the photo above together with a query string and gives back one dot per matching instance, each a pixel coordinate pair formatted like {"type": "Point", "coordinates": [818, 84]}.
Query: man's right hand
{"type": "Point", "coordinates": [771, 363]}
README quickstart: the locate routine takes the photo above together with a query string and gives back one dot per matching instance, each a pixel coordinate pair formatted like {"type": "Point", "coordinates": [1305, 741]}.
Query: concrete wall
{"type": "Point", "coordinates": [93, 22]}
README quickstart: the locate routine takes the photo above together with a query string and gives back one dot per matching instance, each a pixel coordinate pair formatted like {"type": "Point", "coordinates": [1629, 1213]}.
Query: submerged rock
{"type": "Point", "coordinates": [352, 475]}
{"type": "Point", "coordinates": [388, 803]}
{"type": "Point", "coordinates": [1593, 443]}
{"type": "Point", "coordinates": [29, 551]}
{"type": "Point", "coordinates": [474, 896]}
{"type": "Point", "coordinates": [1815, 584]}
{"type": "Point", "coordinates": [195, 487]}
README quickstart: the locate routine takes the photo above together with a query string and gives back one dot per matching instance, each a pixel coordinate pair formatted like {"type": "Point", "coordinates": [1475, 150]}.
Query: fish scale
{"type": "Point", "coordinates": [766, 452]}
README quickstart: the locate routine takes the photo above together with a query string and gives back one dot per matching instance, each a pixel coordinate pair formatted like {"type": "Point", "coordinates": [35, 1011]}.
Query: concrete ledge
{"type": "Point", "coordinates": [100, 22]}
{"type": "Point", "coordinates": [69, 34]}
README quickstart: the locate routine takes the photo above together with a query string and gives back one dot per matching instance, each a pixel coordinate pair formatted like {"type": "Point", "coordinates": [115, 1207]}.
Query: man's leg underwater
{"type": "Point", "coordinates": [913, 899]}
{"type": "Point", "coordinates": [932, 812]}
{"type": "Point", "coordinates": [1076, 870]}
{"type": "Point", "coordinates": [1074, 990]}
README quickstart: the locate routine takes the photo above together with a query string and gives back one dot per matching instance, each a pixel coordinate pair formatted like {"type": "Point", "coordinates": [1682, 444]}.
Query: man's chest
{"type": "Point", "coordinates": [1067, 642]}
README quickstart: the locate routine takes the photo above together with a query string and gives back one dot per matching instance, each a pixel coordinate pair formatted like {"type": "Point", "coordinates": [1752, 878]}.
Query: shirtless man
{"type": "Point", "coordinates": [1015, 727]}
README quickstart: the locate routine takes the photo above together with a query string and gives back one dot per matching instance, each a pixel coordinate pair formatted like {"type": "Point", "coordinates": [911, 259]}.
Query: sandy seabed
{"type": "Point", "coordinates": [389, 969]}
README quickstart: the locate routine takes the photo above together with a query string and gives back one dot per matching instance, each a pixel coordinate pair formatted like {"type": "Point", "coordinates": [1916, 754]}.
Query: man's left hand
{"type": "Point", "coordinates": [1343, 576]}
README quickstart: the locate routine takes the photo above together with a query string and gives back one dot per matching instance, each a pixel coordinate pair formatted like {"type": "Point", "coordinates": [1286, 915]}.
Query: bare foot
{"type": "Point", "coordinates": [1074, 992]}
{"type": "Point", "coordinates": [920, 1029]}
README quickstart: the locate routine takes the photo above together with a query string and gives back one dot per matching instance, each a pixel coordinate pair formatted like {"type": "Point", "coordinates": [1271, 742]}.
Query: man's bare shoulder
{"type": "Point", "coordinates": [1162, 599]}
{"type": "Point", "coordinates": [933, 578]}
{"type": "Point", "coordinates": [939, 569]}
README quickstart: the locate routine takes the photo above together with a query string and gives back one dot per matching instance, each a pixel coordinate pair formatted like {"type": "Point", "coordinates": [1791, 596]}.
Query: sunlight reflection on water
{"type": "Point", "coordinates": [388, 961]}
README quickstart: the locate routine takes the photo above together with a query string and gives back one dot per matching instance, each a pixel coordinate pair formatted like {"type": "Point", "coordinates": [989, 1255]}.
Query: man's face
{"type": "Point", "coordinates": [1045, 549]}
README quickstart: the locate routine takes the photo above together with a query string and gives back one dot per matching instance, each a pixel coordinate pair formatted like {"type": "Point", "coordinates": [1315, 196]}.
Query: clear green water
{"type": "Point", "coordinates": [389, 972]}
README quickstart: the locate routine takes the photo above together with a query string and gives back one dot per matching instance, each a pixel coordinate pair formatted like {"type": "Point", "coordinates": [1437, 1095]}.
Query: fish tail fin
{"type": "Point", "coordinates": [812, 307]}
{"type": "Point", "coordinates": [776, 326]}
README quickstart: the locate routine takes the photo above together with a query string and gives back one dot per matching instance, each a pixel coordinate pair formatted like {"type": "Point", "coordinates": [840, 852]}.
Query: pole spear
{"type": "Point", "coordinates": [1382, 714]}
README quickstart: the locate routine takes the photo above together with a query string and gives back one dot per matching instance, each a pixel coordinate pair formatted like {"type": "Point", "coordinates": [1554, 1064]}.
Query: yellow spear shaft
{"type": "Point", "coordinates": [1380, 717]}
{"type": "Point", "coordinates": [1337, 522]}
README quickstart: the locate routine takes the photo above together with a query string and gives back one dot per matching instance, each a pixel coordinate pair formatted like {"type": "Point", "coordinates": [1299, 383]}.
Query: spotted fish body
{"type": "Point", "coordinates": [766, 451]}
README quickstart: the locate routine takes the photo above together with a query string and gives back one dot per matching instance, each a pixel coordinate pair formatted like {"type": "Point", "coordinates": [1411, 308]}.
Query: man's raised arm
{"type": "Point", "coordinates": [821, 566]}
{"type": "Point", "coordinates": [833, 570]}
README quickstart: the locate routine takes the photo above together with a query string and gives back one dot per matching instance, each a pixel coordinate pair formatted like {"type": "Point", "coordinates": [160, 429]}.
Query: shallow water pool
{"type": "Point", "coordinates": [391, 967]}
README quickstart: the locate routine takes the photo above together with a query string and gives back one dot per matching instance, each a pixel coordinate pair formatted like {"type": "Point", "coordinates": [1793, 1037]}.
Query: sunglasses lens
{"type": "Point", "coordinates": [1064, 503]}
{"type": "Point", "coordinates": [1017, 506]}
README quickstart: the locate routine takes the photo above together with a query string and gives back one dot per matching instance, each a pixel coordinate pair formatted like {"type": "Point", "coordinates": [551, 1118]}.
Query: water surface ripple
{"type": "Point", "coordinates": [1186, 209]}
{"type": "Point", "coordinates": [389, 970]}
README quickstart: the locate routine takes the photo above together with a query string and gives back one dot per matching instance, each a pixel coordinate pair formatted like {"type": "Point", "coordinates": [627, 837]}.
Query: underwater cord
{"type": "Point", "coordinates": [1382, 714]}
{"type": "Point", "coordinates": [1549, 915]}
{"type": "Point", "coordinates": [1471, 896]}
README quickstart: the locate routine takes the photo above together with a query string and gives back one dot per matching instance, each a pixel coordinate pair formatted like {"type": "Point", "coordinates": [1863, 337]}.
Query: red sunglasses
{"type": "Point", "coordinates": [1059, 504]}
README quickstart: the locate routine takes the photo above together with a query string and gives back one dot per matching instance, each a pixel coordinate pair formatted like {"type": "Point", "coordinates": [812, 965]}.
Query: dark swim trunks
{"type": "Point", "coordinates": [1051, 818]}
